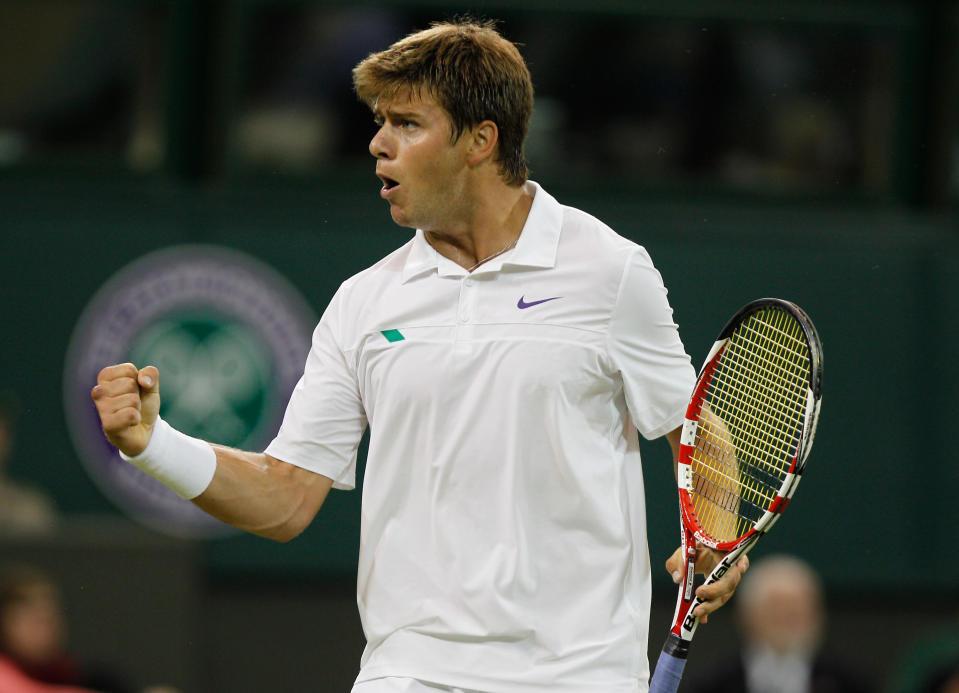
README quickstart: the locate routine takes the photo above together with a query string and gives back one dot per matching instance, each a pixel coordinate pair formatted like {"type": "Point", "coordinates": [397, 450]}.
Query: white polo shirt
{"type": "Point", "coordinates": [503, 537]}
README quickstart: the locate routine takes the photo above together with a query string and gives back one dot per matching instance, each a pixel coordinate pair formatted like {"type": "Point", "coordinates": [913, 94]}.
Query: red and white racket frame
{"type": "Point", "coordinates": [684, 621]}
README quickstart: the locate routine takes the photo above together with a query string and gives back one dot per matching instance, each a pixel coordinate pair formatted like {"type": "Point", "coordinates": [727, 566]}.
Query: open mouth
{"type": "Point", "coordinates": [388, 183]}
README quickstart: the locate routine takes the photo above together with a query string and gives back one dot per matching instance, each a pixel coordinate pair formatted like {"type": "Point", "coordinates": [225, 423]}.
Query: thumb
{"type": "Point", "coordinates": [149, 381]}
{"type": "Point", "coordinates": [674, 565]}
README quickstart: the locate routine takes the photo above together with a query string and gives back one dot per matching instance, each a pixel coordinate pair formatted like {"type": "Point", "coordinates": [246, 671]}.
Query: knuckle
{"type": "Point", "coordinates": [121, 370]}
{"type": "Point", "coordinates": [119, 420]}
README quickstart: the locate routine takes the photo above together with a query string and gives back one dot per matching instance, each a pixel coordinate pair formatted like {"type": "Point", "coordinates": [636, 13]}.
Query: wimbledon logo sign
{"type": "Point", "coordinates": [230, 337]}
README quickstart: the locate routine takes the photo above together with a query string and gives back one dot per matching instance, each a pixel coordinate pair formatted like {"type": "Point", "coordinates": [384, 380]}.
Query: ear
{"type": "Point", "coordinates": [484, 138]}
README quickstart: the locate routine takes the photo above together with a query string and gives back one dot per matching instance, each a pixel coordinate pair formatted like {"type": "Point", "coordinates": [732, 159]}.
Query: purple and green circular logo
{"type": "Point", "coordinates": [229, 336]}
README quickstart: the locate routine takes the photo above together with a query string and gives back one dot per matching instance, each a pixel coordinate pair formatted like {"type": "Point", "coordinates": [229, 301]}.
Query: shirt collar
{"type": "Point", "coordinates": [536, 247]}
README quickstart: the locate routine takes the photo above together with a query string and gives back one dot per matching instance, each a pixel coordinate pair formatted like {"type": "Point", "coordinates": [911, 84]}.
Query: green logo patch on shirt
{"type": "Point", "coordinates": [393, 335]}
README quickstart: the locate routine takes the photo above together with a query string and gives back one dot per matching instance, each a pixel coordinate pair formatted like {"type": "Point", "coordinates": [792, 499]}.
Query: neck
{"type": "Point", "coordinates": [493, 221]}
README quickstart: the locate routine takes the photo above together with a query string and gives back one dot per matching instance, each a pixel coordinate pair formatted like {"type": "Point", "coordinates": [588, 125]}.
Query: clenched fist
{"type": "Point", "coordinates": [128, 401]}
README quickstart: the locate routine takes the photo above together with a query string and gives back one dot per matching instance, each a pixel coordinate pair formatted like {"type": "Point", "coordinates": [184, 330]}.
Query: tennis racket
{"type": "Point", "coordinates": [748, 430]}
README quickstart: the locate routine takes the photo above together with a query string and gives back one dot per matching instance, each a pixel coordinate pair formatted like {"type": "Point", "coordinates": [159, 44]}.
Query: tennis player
{"type": "Point", "coordinates": [504, 359]}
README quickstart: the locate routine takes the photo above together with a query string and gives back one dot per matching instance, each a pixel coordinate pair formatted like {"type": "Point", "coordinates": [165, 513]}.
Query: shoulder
{"type": "Point", "coordinates": [595, 240]}
{"type": "Point", "coordinates": [356, 291]}
{"type": "Point", "coordinates": [356, 298]}
{"type": "Point", "coordinates": [388, 269]}
{"type": "Point", "coordinates": [600, 251]}
{"type": "Point", "coordinates": [578, 222]}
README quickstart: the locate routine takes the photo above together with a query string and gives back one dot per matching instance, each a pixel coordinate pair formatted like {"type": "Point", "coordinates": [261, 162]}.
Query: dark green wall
{"type": "Point", "coordinates": [881, 285]}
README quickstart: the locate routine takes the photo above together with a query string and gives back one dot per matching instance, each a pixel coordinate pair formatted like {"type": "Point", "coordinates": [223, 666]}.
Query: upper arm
{"type": "Point", "coordinates": [645, 347]}
{"type": "Point", "coordinates": [277, 493]}
{"type": "Point", "coordinates": [325, 417]}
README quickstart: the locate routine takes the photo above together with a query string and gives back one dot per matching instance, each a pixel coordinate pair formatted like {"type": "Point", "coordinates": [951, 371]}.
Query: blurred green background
{"type": "Point", "coordinates": [796, 149]}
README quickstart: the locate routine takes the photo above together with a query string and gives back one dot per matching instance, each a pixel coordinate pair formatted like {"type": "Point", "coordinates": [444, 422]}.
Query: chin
{"type": "Point", "coordinates": [401, 219]}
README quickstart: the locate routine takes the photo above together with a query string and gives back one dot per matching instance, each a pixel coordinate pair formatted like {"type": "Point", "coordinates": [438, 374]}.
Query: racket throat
{"type": "Point", "coordinates": [684, 622]}
{"type": "Point", "coordinates": [690, 575]}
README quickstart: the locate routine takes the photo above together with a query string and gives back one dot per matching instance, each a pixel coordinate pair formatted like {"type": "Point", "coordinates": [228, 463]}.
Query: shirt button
{"type": "Point", "coordinates": [468, 281]}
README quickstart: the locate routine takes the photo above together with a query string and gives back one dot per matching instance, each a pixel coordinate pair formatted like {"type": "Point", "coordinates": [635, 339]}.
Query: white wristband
{"type": "Point", "coordinates": [183, 463]}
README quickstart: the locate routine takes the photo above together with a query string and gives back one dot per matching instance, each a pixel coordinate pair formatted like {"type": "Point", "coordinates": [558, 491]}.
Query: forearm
{"type": "Point", "coordinates": [251, 491]}
{"type": "Point", "coordinates": [262, 495]}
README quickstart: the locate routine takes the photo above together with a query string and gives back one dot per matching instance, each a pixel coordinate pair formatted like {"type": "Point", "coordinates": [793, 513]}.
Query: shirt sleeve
{"type": "Point", "coordinates": [325, 418]}
{"type": "Point", "coordinates": [644, 343]}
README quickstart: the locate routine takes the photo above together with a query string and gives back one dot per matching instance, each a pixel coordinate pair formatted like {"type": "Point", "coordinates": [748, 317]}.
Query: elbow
{"type": "Point", "coordinates": [284, 533]}
{"type": "Point", "coordinates": [289, 528]}
{"type": "Point", "coordinates": [286, 506]}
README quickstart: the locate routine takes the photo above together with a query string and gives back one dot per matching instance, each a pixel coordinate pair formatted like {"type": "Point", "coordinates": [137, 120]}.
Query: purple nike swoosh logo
{"type": "Point", "coordinates": [521, 303]}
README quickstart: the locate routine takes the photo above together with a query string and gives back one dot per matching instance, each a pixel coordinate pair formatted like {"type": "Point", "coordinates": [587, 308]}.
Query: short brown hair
{"type": "Point", "coordinates": [473, 73]}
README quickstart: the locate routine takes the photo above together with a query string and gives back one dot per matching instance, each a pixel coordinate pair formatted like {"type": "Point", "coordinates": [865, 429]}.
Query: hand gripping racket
{"type": "Point", "coordinates": [749, 427]}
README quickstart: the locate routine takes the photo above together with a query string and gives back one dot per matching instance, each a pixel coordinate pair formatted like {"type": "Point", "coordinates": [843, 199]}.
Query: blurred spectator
{"type": "Point", "coordinates": [12, 680]}
{"type": "Point", "coordinates": [33, 639]}
{"type": "Point", "coordinates": [23, 509]}
{"type": "Point", "coordinates": [781, 618]}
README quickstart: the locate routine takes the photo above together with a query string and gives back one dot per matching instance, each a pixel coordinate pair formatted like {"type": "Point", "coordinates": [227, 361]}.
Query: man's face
{"type": "Point", "coordinates": [32, 628]}
{"type": "Point", "coordinates": [423, 172]}
{"type": "Point", "coordinates": [786, 618]}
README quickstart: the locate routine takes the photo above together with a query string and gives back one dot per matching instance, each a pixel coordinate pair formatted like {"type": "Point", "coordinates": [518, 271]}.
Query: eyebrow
{"type": "Point", "coordinates": [394, 113]}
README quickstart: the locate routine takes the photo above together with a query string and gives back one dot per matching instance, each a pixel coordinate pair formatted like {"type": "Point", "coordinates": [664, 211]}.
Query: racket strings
{"type": "Point", "coordinates": [758, 384]}
{"type": "Point", "coordinates": [750, 422]}
{"type": "Point", "coordinates": [725, 504]}
{"type": "Point", "coordinates": [759, 397]}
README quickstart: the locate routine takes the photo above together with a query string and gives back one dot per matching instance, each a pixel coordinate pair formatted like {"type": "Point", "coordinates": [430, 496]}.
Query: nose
{"type": "Point", "coordinates": [379, 145]}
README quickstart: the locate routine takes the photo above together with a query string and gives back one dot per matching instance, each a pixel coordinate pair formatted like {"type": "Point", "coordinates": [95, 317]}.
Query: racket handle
{"type": "Point", "coordinates": [669, 667]}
